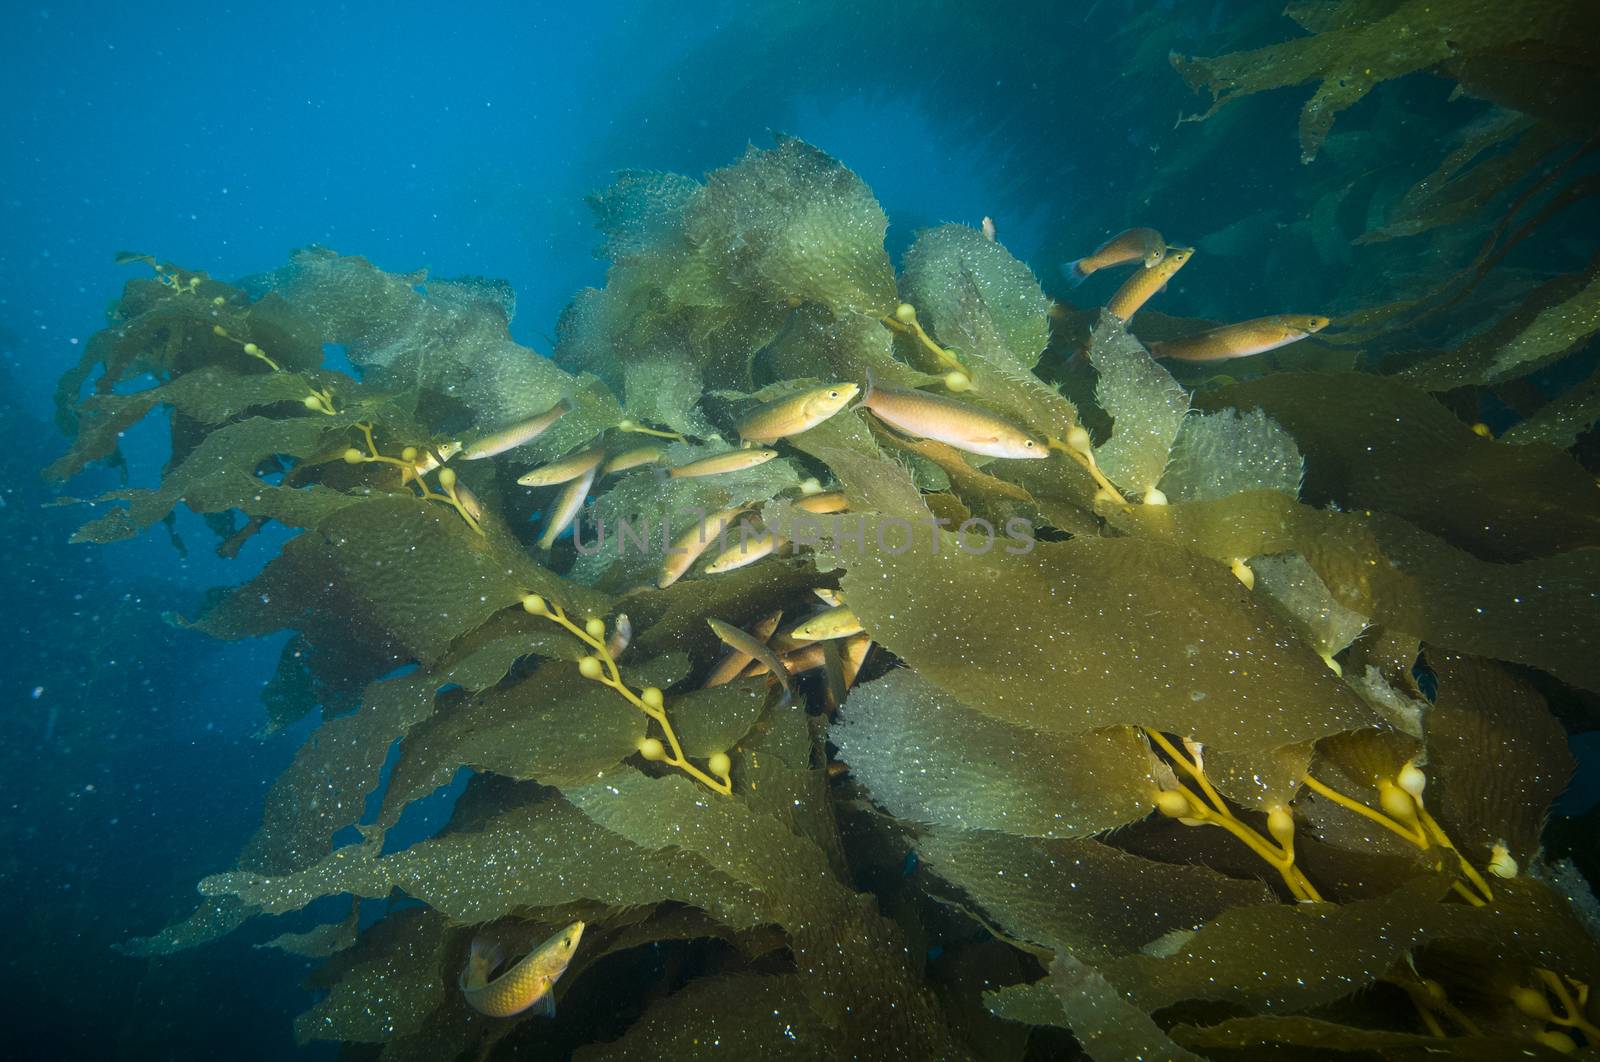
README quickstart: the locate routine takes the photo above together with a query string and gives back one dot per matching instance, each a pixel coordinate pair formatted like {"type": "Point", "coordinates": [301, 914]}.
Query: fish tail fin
{"type": "Point", "coordinates": [866, 392]}
{"type": "Point", "coordinates": [1074, 272]}
{"type": "Point", "coordinates": [481, 962]}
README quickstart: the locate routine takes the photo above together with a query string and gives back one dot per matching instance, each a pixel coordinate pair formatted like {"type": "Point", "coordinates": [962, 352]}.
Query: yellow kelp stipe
{"type": "Point", "coordinates": [905, 322]}
{"type": "Point", "coordinates": [1405, 816]}
{"type": "Point", "coordinates": [249, 348]}
{"type": "Point", "coordinates": [601, 667]}
{"type": "Point", "coordinates": [1183, 804]}
{"type": "Point", "coordinates": [457, 497]}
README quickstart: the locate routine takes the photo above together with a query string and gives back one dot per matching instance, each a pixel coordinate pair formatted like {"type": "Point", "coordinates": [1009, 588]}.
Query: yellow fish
{"type": "Point", "coordinates": [958, 424]}
{"type": "Point", "coordinates": [1132, 245]}
{"type": "Point", "coordinates": [1139, 288]}
{"type": "Point", "coordinates": [1242, 339]}
{"type": "Point", "coordinates": [516, 435]}
{"type": "Point", "coordinates": [529, 983]}
{"type": "Point", "coordinates": [829, 501]}
{"type": "Point", "coordinates": [639, 455]}
{"type": "Point", "coordinates": [735, 638]}
{"type": "Point", "coordinates": [568, 504]}
{"type": "Point", "coordinates": [565, 469]}
{"type": "Point", "coordinates": [795, 414]}
{"type": "Point", "coordinates": [748, 550]}
{"type": "Point", "coordinates": [836, 622]}
{"type": "Point", "coordinates": [737, 660]}
{"type": "Point", "coordinates": [686, 549]}
{"type": "Point", "coordinates": [717, 464]}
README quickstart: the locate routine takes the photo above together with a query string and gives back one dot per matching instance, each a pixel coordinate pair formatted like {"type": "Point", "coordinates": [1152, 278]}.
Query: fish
{"type": "Point", "coordinates": [988, 228]}
{"type": "Point", "coordinates": [1138, 289]}
{"type": "Point", "coordinates": [627, 459]}
{"type": "Point", "coordinates": [565, 469]}
{"type": "Point", "coordinates": [829, 501]}
{"type": "Point", "coordinates": [568, 504]}
{"type": "Point", "coordinates": [516, 435]}
{"type": "Point", "coordinates": [749, 549]}
{"type": "Point", "coordinates": [530, 983]}
{"type": "Point", "coordinates": [836, 622]}
{"type": "Point", "coordinates": [716, 464]}
{"type": "Point", "coordinates": [469, 501]}
{"type": "Point", "coordinates": [1242, 339]}
{"type": "Point", "coordinates": [855, 650]}
{"type": "Point", "coordinates": [828, 596]}
{"type": "Point", "coordinates": [795, 414]}
{"type": "Point", "coordinates": [435, 456]}
{"type": "Point", "coordinates": [736, 661]}
{"type": "Point", "coordinates": [735, 638]}
{"type": "Point", "coordinates": [621, 635]}
{"type": "Point", "coordinates": [958, 424]}
{"type": "Point", "coordinates": [1131, 245]}
{"type": "Point", "coordinates": [686, 549]}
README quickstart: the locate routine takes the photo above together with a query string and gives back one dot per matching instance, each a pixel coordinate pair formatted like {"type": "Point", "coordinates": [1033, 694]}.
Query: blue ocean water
{"type": "Point", "coordinates": [464, 140]}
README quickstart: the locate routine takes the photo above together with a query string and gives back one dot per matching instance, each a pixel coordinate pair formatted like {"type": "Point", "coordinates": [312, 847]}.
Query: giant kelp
{"type": "Point", "coordinates": [1170, 622]}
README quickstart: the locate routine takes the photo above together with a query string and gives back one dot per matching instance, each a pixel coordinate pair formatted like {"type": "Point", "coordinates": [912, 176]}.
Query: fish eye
{"type": "Point", "coordinates": [833, 394]}
{"type": "Point", "coordinates": [1028, 443]}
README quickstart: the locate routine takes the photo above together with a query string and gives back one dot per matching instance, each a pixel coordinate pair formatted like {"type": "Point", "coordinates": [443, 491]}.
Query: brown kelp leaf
{"type": "Point", "coordinates": [212, 920]}
{"type": "Point", "coordinates": [1556, 318]}
{"type": "Point", "coordinates": [410, 569]}
{"type": "Point", "coordinates": [406, 332]}
{"type": "Point", "coordinates": [1562, 420]}
{"type": "Point", "coordinates": [1080, 895]}
{"type": "Point", "coordinates": [1377, 443]}
{"type": "Point", "coordinates": [1324, 624]}
{"type": "Point", "coordinates": [1145, 404]}
{"type": "Point", "coordinates": [747, 1016]}
{"type": "Point", "coordinates": [1464, 183]}
{"type": "Point", "coordinates": [837, 938]}
{"type": "Point", "coordinates": [385, 987]}
{"type": "Point", "coordinates": [713, 720]}
{"type": "Point", "coordinates": [219, 474]}
{"type": "Point", "coordinates": [1323, 952]}
{"type": "Point", "coordinates": [975, 297]}
{"type": "Point", "coordinates": [791, 222]}
{"type": "Point", "coordinates": [210, 394]}
{"type": "Point", "coordinates": [324, 790]}
{"type": "Point", "coordinates": [555, 727]}
{"type": "Point", "coordinates": [928, 759]}
{"type": "Point", "coordinates": [528, 856]}
{"type": "Point", "coordinates": [1497, 758]}
{"type": "Point", "coordinates": [321, 941]}
{"type": "Point", "coordinates": [1048, 638]}
{"type": "Point", "coordinates": [1224, 452]}
{"type": "Point", "coordinates": [1535, 612]}
{"type": "Point", "coordinates": [1035, 1003]}
{"type": "Point", "coordinates": [1305, 1034]}
{"type": "Point", "coordinates": [1108, 1026]}
{"type": "Point", "coordinates": [1363, 48]}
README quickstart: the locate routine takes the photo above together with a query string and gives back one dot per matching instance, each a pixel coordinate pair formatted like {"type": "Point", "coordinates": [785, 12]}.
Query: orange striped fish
{"type": "Point", "coordinates": [1242, 339]}
{"type": "Point", "coordinates": [1139, 288]}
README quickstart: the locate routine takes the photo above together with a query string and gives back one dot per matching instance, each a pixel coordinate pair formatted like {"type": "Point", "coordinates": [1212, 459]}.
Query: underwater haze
{"type": "Point", "coordinates": [801, 531]}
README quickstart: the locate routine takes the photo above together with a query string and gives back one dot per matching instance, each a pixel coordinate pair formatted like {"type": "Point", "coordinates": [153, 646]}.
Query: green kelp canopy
{"type": "Point", "coordinates": [1223, 730]}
